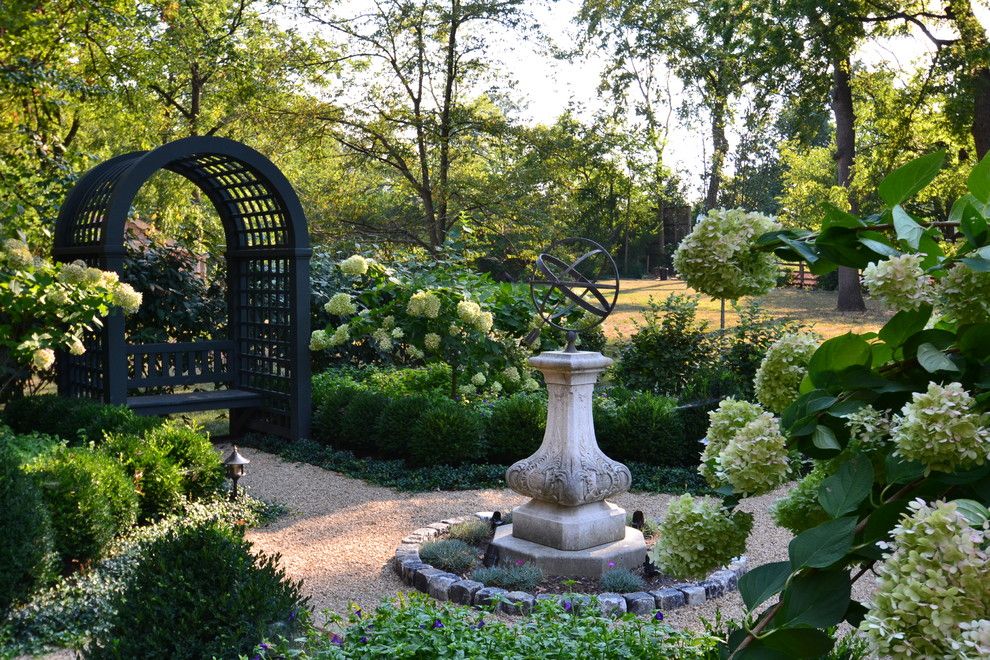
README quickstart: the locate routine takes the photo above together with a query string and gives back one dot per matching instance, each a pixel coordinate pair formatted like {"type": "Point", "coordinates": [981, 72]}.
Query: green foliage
{"type": "Point", "coordinates": [667, 349]}
{"type": "Point", "coordinates": [472, 532]}
{"type": "Point", "coordinates": [225, 603]}
{"type": "Point", "coordinates": [516, 427]}
{"type": "Point", "coordinates": [750, 339]}
{"type": "Point", "coordinates": [397, 416]}
{"type": "Point", "coordinates": [27, 552]}
{"type": "Point", "coordinates": [76, 421]}
{"type": "Point", "coordinates": [650, 526]}
{"type": "Point", "coordinates": [621, 581]}
{"type": "Point", "coordinates": [648, 429]}
{"type": "Point", "coordinates": [179, 303]}
{"type": "Point", "coordinates": [331, 394]}
{"type": "Point", "coordinates": [440, 630]}
{"type": "Point", "coordinates": [26, 446]}
{"type": "Point", "coordinates": [699, 536]}
{"type": "Point", "coordinates": [358, 422]}
{"type": "Point", "coordinates": [449, 554]}
{"type": "Point", "coordinates": [90, 497]}
{"type": "Point", "coordinates": [190, 449]}
{"type": "Point", "coordinates": [515, 577]}
{"type": "Point", "coordinates": [448, 433]}
{"type": "Point", "coordinates": [157, 480]}
{"type": "Point", "coordinates": [800, 509]}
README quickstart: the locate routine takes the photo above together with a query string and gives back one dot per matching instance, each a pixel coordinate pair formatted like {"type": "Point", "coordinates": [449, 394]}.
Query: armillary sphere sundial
{"type": "Point", "coordinates": [575, 287]}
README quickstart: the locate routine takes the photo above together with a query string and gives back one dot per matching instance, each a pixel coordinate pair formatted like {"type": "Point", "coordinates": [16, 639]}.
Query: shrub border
{"type": "Point", "coordinates": [442, 585]}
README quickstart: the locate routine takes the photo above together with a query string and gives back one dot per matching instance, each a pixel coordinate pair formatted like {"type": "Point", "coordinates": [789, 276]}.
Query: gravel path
{"type": "Point", "coordinates": [340, 532]}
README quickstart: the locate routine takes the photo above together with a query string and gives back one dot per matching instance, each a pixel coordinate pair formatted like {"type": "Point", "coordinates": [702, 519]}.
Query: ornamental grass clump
{"type": "Point", "coordinates": [932, 594]}
{"type": "Point", "coordinates": [514, 577]}
{"type": "Point", "coordinates": [449, 554]}
{"type": "Point", "coordinates": [621, 581]}
{"type": "Point", "coordinates": [473, 532]}
{"type": "Point", "coordinates": [939, 429]}
{"type": "Point", "coordinates": [784, 366]}
{"type": "Point", "coordinates": [719, 259]}
{"type": "Point", "coordinates": [698, 536]}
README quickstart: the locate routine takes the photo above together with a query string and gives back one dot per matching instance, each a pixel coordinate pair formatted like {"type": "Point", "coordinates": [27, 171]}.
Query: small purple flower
{"type": "Point", "coordinates": [336, 639]}
{"type": "Point", "coordinates": [437, 624]}
{"type": "Point", "coordinates": [265, 647]}
{"type": "Point", "coordinates": [257, 657]}
{"type": "Point", "coordinates": [520, 562]}
{"type": "Point", "coordinates": [658, 616]}
{"type": "Point", "coordinates": [568, 606]}
{"type": "Point", "coordinates": [611, 564]}
{"type": "Point", "coordinates": [363, 640]}
{"type": "Point", "coordinates": [480, 624]}
{"type": "Point", "coordinates": [359, 612]}
{"type": "Point", "coordinates": [292, 615]}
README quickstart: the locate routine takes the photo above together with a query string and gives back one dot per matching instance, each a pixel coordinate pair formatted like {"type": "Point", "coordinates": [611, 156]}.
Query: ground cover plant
{"type": "Point", "coordinates": [898, 421]}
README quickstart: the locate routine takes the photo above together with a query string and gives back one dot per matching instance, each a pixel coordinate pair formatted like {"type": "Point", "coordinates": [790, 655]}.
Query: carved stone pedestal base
{"type": "Point", "coordinates": [569, 527]}
{"type": "Point", "coordinates": [629, 552]}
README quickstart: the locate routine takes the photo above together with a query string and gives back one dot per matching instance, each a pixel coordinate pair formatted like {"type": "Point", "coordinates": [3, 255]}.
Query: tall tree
{"type": "Point", "coordinates": [416, 65]}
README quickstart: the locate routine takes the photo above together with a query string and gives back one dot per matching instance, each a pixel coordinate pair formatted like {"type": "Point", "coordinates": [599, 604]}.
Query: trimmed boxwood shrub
{"type": "Point", "coordinates": [330, 398]}
{"type": "Point", "coordinates": [447, 433]}
{"type": "Point", "coordinates": [358, 422]}
{"type": "Point", "coordinates": [392, 427]}
{"type": "Point", "coordinates": [190, 449]}
{"type": "Point", "coordinates": [90, 497]}
{"type": "Point", "coordinates": [649, 429]}
{"type": "Point", "coordinates": [198, 592]}
{"type": "Point", "coordinates": [27, 550]}
{"type": "Point", "coordinates": [75, 420]}
{"type": "Point", "coordinates": [157, 479]}
{"type": "Point", "coordinates": [516, 427]}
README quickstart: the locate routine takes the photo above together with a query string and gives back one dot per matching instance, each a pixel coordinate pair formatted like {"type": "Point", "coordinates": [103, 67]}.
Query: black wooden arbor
{"type": "Point", "coordinates": [261, 361]}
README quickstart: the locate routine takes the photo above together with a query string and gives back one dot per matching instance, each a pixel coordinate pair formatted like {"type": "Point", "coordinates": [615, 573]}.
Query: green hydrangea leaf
{"type": "Point", "coordinates": [763, 582]}
{"type": "Point", "coordinates": [817, 599]}
{"type": "Point", "coordinates": [824, 545]}
{"type": "Point", "coordinates": [907, 229]}
{"type": "Point", "coordinates": [904, 324]}
{"type": "Point", "coordinates": [978, 182]}
{"type": "Point", "coordinates": [843, 491]}
{"type": "Point", "coordinates": [795, 643]}
{"type": "Point", "coordinates": [931, 359]}
{"type": "Point", "coordinates": [905, 181]}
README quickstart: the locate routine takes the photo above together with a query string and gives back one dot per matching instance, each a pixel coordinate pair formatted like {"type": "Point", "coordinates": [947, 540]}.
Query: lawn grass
{"type": "Point", "coordinates": [816, 309]}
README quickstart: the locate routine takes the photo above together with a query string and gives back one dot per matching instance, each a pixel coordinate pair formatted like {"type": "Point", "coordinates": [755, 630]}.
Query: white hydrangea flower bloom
{"type": "Point", "coordinates": [718, 256]}
{"type": "Point", "coordinates": [76, 347]}
{"type": "Point", "coordinates": [869, 428]}
{"type": "Point", "coordinates": [496, 387]}
{"type": "Point", "coordinates": [424, 303]}
{"type": "Point", "coordinates": [975, 640]}
{"type": "Point", "coordinates": [939, 429]}
{"type": "Point", "coordinates": [467, 389]}
{"type": "Point", "coordinates": [398, 333]}
{"type": "Point", "coordinates": [73, 273]}
{"type": "Point", "coordinates": [354, 265]}
{"type": "Point", "coordinates": [340, 336]}
{"type": "Point", "coordinates": [899, 282]}
{"type": "Point", "coordinates": [511, 374]}
{"type": "Point", "coordinates": [468, 311]}
{"type": "Point", "coordinates": [699, 536]}
{"type": "Point", "coordinates": [318, 340]}
{"type": "Point", "coordinates": [382, 339]}
{"type": "Point", "coordinates": [125, 297]}
{"type": "Point", "coordinates": [931, 584]}
{"type": "Point", "coordinates": [341, 304]}
{"type": "Point", "coordinates": [784, 366]}
{"type": "Point", "coordinates": [58, 297]}
{"type": "Point", "coordinates": [414, 352]}
{"type": "Point", "coordinates": [755, 461]}
{"type": "Point", "coordinates": [531, 385]}
{"type": "Point", "coordinates": [431, 341]}
{"type": "Point", "coordinates": [964, 295]}
{"type": "Point", "coordinates": [43, 358]}
{"type": "Point", "coordinates": [479, 379]}
{"type": "Point", "coordinates": [725, 421]}
{"type": "Point", "coordinates": [485, 321]}
{"type": "Point", "coordinates": [17, 253]}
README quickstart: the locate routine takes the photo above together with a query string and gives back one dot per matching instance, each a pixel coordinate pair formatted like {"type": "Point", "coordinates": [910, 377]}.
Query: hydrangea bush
{"type": "Point", "coordinates": [49, 306]}
{"type": "Point", "coordinates": [411, 320]}
{"type": "Point", "coordinates": [784, 366]}
{"type": "Point", "coordinates": [896, 425]}
{"type": "Point", "coordinates": [698, 536]}
{"type": "Point", "coordinates": [719, 257]}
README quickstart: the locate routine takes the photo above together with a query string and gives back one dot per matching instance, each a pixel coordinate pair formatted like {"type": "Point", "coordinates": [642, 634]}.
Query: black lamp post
{"type": "Point", "coordinates": [235, 470]}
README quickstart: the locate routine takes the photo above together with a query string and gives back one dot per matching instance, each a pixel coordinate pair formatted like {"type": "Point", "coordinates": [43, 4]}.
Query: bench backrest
{"type": "Point", "coordinates": [164, 365]}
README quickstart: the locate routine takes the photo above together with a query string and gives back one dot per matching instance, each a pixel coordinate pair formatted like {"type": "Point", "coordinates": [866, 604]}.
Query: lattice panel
{"type": "Point", "coordinates": [84, 374]}
{"type": "Point", "coordinates": [90, 217]}
{"type": "Point", "coordinates": [168, 365]}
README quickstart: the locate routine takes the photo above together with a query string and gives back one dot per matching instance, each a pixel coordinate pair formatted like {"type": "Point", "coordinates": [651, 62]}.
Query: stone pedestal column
{"type": "Point", "coordinates": [568, 528]}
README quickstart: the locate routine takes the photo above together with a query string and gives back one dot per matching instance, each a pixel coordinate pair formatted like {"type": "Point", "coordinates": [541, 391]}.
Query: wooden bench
{"type": "Point", "coordinates": [181, 364]}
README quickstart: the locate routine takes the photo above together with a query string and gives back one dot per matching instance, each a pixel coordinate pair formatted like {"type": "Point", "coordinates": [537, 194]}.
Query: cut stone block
{"type": "Point", "coordinates": [439, 586]}
{"type": "Point", "coordinates": [611, 604]}
{"type": "Point", "coordinates": [591, 562]}
{"type": "Point", "coordinates": [668, 599]}
{"type": "Point", "coordinates": [488, 595]}
{"type": "Point", "coordinates": [422, 578]}
{"type": "Point", "coordinates": [726, 578]}
{"type": "Point", "coordinates": [569, 527]}
{"type": "Point", "coordinates": [440, 527]}
{"type": "Point", "coordinates": [640, 602]}
{"type": "Point", "coordinates": [713, 588]}
{"type": "Point", "coordinates": [409, 569]}
{"type": "Point", "coordinates": [462, 592]}
{"type": "Point", "coordinates": [427, 533]}
{"type": "Point", "coordinates": [693, 595]}
{"type": "Point", "coordinates": [517, 602]}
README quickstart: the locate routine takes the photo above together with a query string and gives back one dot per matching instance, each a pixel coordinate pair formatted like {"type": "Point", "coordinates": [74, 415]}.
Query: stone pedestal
{"type": "Point", "coordinates": [568, 528]}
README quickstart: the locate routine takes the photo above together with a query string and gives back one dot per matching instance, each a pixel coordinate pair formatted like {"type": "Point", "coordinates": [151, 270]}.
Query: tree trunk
{"type": "Point", "coordinates": [850, 296]}
{"type": "Point", "coordinates": [981, 113]}
{"type": "Point", "coordinates": [720, 146]}
{"type": "Point", "coordinates": [443, 172]}
{"type": "Point", "coordinates": [974, 45]}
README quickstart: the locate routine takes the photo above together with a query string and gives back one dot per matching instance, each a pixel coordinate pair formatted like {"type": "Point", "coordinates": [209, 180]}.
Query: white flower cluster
{"type": "Point", "coordinates": [755, 460]}
{"type": "Point", "coordinates": [932, 594]}
{"type": "Point", "coordinates": [939, 429]}
{"type": "Point", "coordinates": [530, 385]}
{"type": "Point", "coordinates": [470, 313]}
{"type": "Point", "coordinates": [869, 429]}
{"type": "Point", "coordinates": [784, 366]}
{"type": "Point", "coordinates": [341, 304]}
{"type": "Point", "coordinates": [424, 303]}
{"type": "Point", "coordinates": [43, 358]}
{"type": "Point", "coordinates": [383, 339]}
{"type": "Point", "coordinates": [478, 380]}
{"type": "Point", "coordinates": [17, 254]}
{"type": "Point", "coordinates": [431, 341]}
{"type": "Point", "coordinates": [699, 536]}
{"type": "Point", "coordinates": [964, 295]}
{"type": "Point", "coordinates": [125, 297]}
{"type": "Point", "coordinates": [354, 265]}
{"type": "Point", "coordinates": [730, 416]}
{"type": "Point", "coordinates": [511, 374]}
{"type": "Point", "coordinates": [899, 282]}
{"type": "Point", "coordinates": [321, 340]}
{"type": "Point", "coordinates": [718, 256]}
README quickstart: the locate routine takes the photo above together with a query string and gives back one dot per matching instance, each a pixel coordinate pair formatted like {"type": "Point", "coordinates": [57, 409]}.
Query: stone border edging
{"type": "Point", "coordinates": [442, 585]}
